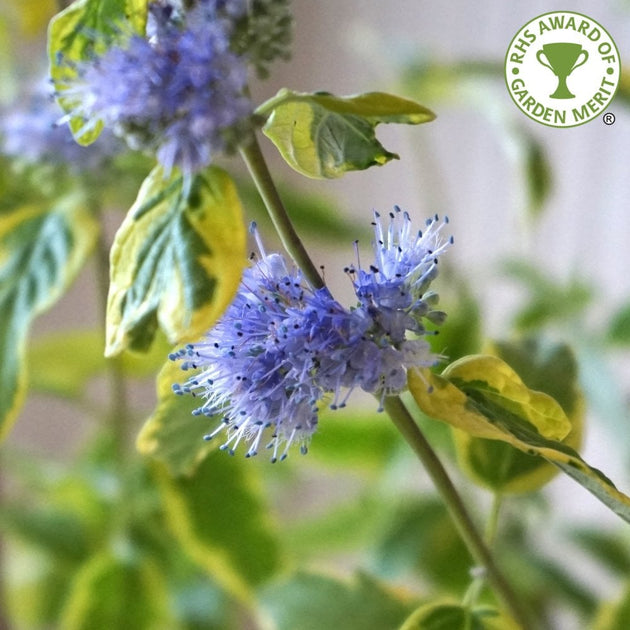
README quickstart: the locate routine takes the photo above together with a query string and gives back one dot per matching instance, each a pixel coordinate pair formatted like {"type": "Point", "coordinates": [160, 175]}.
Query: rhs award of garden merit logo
{"type": "Point", "coordinates": [562, 69]}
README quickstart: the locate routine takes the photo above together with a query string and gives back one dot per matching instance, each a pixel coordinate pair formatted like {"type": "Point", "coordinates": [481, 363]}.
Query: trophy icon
{"type": "Point", "coordinates": [562, 58]}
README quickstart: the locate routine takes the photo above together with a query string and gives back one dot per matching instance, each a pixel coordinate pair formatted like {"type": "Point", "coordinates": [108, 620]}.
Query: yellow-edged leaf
{"type": "Point", "coordinates": [42, 249]}
{"type": "Point", "coordinates": [614, 615]}
{"type": "Point", "coordinates": [76, 34]}
{"type": "Point", "coordinates": [552, 369]}
{"type": "Point", "coordinates": [172, 435]}
{"type": "Point", "coordinates": [51, 372]}
{"type": "Point", "coordinates": [501, 467]}
{"type": "Point", "coordinates": [324, 136]}
{"type": "Point", "coordinates": [320, 602]}
{"type": "Point", "coordinates": [118, 590]}
{"type": "Point", "coordinates": [501, 385]}
{"type": "Point", "coordinates": [445, 615]}
{"type": "Point", "coordinates": [218, 517]}
{"type": "Point", "coordinates": [176, 261]}
{"type": "Point", "coordinates": [469, 403]}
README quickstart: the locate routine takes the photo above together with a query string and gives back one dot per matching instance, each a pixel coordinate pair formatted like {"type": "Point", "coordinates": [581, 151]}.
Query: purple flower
{"type": "Point", "coordinates": [30, 133]}
{"type": "Point", "coordinates": [282, 348]}
{"type": "Point", "coordinates": [179, 93]}
{"type": "Point", "coordinates": [405, 263]}
{"type": "Point", "coordinates": [255, 364]}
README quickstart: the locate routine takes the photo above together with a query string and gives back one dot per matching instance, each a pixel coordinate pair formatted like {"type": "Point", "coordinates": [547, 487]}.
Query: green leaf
{"type": "Point", "coordinates": [172, 435]}
{"type": "Point", "coordinates": [85, 29]}
{"type": "Point", "coordinates": [176, 260]}
{"type": "Point", "coordinates": [547, 367]}
{"type": "Point", "coordinates": [50, 372]}
{"type": "Point", "coordinates": [530, 157]}
{"type": "Point", "coordinates": [623, 92]}
{"type": "Point", "coordinates": [58, 531]}
{"type": "Point", "coordinates": [422, 538]}
{"type": "Point", "coordinates": [42, 249]}
{"type": "Point", "coordinates": [201, 605]}
{"type": "Point", "coordinates": [345, 526]}
{"type": "Point", "coordinates": [355, 438]}
{"type": "Point", "coordinates": [551, 369]}
{"type": "Point", "coordinates": [118, 590]}
{"type": "Point", "coordinates": [499, 466]}
{"type": "Point", "coordinates": [324, 136]}
{"type": "Point", "coordinates": [475, 394]}
{"type": "Point", "coordinates": [314, 602]}
{"type": "Point", "coordinates": [619, 327]}
{"type": "Point", "coordinates": [136, 13]}
{"type": "Point", "coordinates": [608, 548]}
{"type": "Point", "coordinates": [537, 170]}
{"type": "Point", "coordinates": [549, 301]}
{"type": "Point", "coordinates": [461, 333]}
{"type": "Point", "coordinates": [35, 584]}
{"type": "Point", "coordinates": [542, 582]}
{"type": "Point", "coordinates": [443, 615]}
{"type": "Point", "coordinates": [614, 616]}
{"type": "Point", "coordinates": [219, 518]}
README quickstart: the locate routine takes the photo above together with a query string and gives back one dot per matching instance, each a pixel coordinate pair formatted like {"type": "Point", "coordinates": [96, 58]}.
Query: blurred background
{"type": "Point", "coordinates": [541, 220]}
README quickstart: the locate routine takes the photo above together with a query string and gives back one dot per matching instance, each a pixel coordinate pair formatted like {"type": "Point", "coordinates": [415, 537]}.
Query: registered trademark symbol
{"type": "Point", "coordinates": [608, 118]}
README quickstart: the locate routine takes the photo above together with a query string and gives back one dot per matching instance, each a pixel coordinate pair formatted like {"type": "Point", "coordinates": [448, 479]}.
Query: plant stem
{"type": "Point", "coordinates": [467, 529]}
{"type": "Point", "coordinates": [394, 406]}
{"type": "Point", "coordinates": [476, 587]}
{"type": "Point", "coordinates": [492, 525]}
{"type": "Point", "coordinates": [259, 171]}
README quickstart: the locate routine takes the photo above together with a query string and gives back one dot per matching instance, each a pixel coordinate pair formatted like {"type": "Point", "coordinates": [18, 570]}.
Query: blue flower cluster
{"type": "Point", "coordinates": [179, 92]}
{"type": "Point", "coordinates": [283, 348]}
{"type": "Point", "coordinates": [30, 134]}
